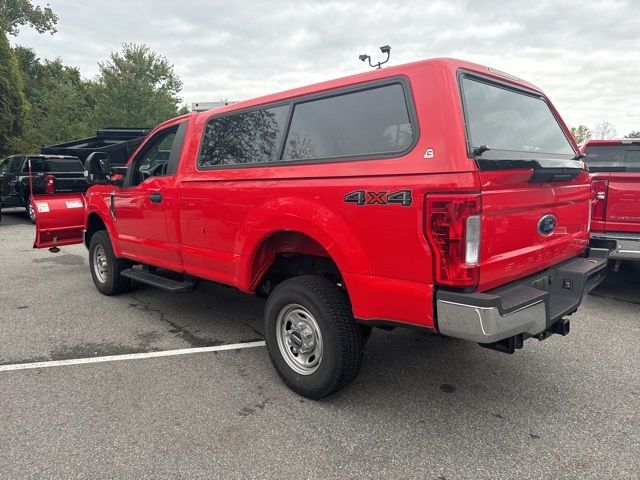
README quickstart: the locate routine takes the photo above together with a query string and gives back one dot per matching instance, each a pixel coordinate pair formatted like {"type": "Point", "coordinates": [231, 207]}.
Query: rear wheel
{"type": "Point", "coordinates": [312, 339]}
{"type": "Point", "coordinates": [105, 266]}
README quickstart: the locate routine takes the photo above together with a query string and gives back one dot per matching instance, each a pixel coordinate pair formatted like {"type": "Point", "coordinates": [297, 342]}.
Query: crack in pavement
{"type": "Point", "coordinates": [176, 329]}
{"type": "Point", "coordinates": [253, 329]}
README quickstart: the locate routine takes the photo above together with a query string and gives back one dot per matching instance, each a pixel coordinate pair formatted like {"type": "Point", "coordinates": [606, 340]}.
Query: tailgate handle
{"type": "Point", "coordinates": [544, 175]}
{"type": "Point", "coordinates": [155, 197]}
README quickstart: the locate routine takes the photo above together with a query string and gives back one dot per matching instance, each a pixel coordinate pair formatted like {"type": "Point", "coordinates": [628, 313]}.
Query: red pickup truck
{"type": "Point", "coordinates": [615, 180]}
{"type": "Point", "coordinates": [440, 195]}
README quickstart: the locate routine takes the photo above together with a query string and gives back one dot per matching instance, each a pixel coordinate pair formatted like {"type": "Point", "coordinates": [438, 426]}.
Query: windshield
{"type": "Point", "coordinates": [505, 119]}
{"type": "Point", "coordinates": [613, 158]}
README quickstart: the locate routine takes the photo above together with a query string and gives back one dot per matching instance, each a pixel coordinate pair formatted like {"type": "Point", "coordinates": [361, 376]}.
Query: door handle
{"type": "Point", "coordinates": [155, 197]}
{"type": "Point", "coordinates": [112, 204]}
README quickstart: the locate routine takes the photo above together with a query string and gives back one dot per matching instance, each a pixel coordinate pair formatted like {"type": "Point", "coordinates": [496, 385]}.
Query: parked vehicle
{"type": "Point", "coordinates": [615, 180]}
{"type": "Point", "coordinates": [50, 174]}
{"type": "Point", "coordinates": [440, 195]}
{"type": "Point", "coordinates": [120, 143]}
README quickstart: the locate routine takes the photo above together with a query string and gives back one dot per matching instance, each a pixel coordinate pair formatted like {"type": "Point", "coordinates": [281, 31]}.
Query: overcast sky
{"type": "Point", "coordinates": [585, 54]}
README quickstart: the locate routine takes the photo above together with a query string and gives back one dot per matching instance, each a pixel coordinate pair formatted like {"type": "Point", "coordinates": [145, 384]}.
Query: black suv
{"type": "Point", "coordinates": [50, 174]}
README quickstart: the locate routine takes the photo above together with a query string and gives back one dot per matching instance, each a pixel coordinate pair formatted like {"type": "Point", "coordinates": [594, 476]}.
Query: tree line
{"type": "Point", "coordinates": [603, 130]}
{"type": "Point", "coordinates": [43, 102]}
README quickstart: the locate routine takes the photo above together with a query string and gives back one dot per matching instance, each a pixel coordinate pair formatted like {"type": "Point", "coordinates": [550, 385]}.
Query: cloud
{"type": "Point", "coordinates": [584, 54]}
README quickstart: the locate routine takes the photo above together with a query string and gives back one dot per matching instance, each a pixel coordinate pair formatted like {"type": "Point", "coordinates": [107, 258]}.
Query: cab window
{"type": "Point", "coordinates": [510, 120]}
{"type": "Point", "coordinates": [153, 160]}
{"type": "Point", "coordinates": [16, 163]}
{"type": "Point", "coordinates": [613, 158]}
{"type": "Point", "coordinates": [4, 165]}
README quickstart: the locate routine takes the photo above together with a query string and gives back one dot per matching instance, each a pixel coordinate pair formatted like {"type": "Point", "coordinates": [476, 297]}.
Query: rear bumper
{"type": "Point", "coordinates": [528, 306]}
{"type": "Point", "coordinates": [621, 245]}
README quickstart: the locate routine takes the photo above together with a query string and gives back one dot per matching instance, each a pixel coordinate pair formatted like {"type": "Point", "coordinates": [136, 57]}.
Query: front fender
{"type": "Point", "coordinates": [97, 204]}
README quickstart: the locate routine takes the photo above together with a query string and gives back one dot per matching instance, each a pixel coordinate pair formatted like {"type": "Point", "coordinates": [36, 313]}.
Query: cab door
{"type": "Point", "coordinates": [143, 207]}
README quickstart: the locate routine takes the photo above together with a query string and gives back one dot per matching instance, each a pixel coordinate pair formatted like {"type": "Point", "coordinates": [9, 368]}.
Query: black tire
{"type": "Point", "coordinates": [342, 339]}
{"type": "Point", "coordinates": [31, 213]}
{"type": "Point", "coordinates": [108, 282]}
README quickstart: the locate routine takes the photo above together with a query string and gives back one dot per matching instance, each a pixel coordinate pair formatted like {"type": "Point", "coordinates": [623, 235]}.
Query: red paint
{"type": "Point", "coordinates": [60, 219]}
{"type": "Point", "coordinates": [511, 205]}
{"type": "Point", "coordinates": [226, 225]}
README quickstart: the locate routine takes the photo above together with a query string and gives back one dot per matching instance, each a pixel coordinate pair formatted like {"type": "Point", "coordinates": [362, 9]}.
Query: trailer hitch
{"type": "Point", "coordinates": [511, 344]}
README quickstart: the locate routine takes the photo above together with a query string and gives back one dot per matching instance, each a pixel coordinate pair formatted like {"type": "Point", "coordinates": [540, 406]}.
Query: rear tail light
{"type": "Point", "coordinates": [599, 199]}
{"type": "Point", "coordinates": [49, 184]}
{"type": "Point", "coordinates": [453, 229]}
{"type": "Point", "coordinates": [472, 240]}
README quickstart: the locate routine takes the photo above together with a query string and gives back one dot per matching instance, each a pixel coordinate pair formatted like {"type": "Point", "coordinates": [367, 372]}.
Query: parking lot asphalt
{"type": "Point", "coordinates": [423, 406]}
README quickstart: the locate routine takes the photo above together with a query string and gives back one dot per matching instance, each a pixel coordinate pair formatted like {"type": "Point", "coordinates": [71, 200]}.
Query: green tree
{"type": "Point", "coordinates": [137, 88]}
{"type": "Point", "coordinates": [14, 108]}
{"type": "Point", "coordinates": [12, 102]}
{"type": "Point", "coordinates": [581, 133]}
{"type": "Point", "coordinates": [61, 102]}
{"type": "Point", "coordinates": [14, 13]}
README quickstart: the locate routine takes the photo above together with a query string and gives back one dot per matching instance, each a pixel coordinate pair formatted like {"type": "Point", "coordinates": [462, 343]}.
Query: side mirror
{"type": "Point", "coordinates": [118, 174]}
{"type": "Point", "coordinates": [97, 168]}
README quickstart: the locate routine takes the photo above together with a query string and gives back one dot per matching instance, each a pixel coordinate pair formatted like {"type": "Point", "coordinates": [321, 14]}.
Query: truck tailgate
{"type": "Point", "coordinates": [515, 242]}
{"type": "Point", "coordinates": [70, 182]}
{"type": "Point", "coordinates": [623, 203]}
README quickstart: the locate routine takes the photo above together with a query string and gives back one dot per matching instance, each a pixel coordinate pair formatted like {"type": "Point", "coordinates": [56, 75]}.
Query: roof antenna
{"type": "Point", "coordinates": [384, 49]}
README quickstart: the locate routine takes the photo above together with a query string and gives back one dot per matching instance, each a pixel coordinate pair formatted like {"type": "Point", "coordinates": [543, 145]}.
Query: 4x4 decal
{"type": "Point", "coordinates": [364, 197]}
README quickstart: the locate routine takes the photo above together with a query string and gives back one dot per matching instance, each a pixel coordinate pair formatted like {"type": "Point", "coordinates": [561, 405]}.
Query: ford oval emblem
{"type": "Point", "coordinates": [547, 224]}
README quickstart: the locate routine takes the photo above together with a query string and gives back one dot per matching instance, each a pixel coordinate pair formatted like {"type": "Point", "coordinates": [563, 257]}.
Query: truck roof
{"type": "Point", "coordinates": [451, 64]}
{"type": "Point", "coordinates": [611, 141]}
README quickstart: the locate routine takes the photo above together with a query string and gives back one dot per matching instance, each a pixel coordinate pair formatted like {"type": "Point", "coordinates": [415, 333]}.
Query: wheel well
{"type": "Point", "coordinates": [95, 224]}
{"type": "Point", "coordinates": [285, 255]}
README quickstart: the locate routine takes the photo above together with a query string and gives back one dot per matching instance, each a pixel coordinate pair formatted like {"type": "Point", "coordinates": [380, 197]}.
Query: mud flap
{"type": "Point", "coordinates": [59, 219]}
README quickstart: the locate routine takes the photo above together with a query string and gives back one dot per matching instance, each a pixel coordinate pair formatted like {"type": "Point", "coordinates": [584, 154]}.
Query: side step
{"type": "Point", "coordinates": [144, 276]}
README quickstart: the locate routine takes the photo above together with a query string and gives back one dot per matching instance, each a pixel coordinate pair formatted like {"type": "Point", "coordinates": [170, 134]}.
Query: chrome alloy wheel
{"type": "Point", "coordinates": [100, 265]}
{"type": "Point", "coordinates": [299, 339]}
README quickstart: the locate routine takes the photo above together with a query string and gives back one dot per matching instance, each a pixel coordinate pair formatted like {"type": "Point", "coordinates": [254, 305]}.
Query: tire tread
{"type": "Point", "coordinates": [350, 335]}
{"type": "Point", "coordinates": [116, 283]}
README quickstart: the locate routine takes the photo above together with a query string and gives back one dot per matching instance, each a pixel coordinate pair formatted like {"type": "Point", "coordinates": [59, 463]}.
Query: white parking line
{"type": "Point", "coordinates": [128, 356]}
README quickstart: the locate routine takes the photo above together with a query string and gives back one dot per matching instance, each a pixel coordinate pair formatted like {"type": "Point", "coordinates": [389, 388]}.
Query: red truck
{"type": "Point", "coordinates": [440, 195]}
{"type": "Point", "coordinates": [615, 180]}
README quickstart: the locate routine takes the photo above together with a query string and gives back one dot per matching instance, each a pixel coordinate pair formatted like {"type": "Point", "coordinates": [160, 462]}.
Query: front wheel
{"type": "Point", "coordinates": [312, 339]}
{"type": "Point", "coordinates": [31, 213]}
{"type": "Point", "coordinates": [105, 266]}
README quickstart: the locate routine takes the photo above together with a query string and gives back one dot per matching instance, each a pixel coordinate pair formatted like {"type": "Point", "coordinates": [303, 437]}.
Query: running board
{"type": "Point", "coordinates": [159, 281]}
